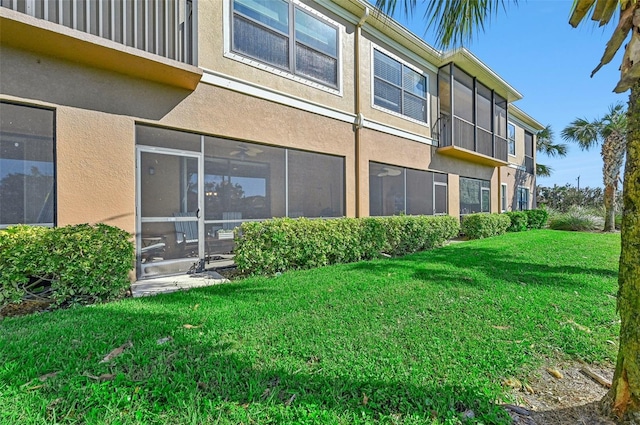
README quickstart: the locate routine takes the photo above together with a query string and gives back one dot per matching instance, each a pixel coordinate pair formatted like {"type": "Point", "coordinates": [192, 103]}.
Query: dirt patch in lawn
{"type": "Point", "coordinates": [561, 393]}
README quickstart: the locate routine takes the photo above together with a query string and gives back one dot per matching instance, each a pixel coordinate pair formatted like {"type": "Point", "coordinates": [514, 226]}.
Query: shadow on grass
{"type": "Point", "coordinates": [493, 263]}
{"type": "Point", "coordinates": [191, 374]}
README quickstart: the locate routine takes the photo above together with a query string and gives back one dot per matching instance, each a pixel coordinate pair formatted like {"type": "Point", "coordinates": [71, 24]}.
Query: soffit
{"type": "Point", "coordinates": [37, 35]}
{"type": "Point", "coordinates": [525, 118]}
{"type": "Point", "coordinates": [462, 57]}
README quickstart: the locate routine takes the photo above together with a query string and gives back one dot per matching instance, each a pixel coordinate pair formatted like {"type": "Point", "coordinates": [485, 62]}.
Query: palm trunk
{"type": "Point", "coordinates": [623, 400]}
{"type": "Point", "coordinates": [609, 208]}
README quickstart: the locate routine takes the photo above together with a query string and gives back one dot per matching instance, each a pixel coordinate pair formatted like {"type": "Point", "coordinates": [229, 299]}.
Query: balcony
{"type": "Point", "coordinates": [473, 119]}
{"type": "Point", "coordinates": [464, 140]}
{"type": "Point", "coordinates": [150, 39]}
{"type": "Point", "coordinates": [529, 165]}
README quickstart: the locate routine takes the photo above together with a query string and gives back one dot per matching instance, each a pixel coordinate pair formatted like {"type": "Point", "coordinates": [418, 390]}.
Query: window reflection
{"type": "Point", "coordinates": [475, 196]}
{"type": "Point", "coordinates": [26, 165]}
{"type": "Point", "coordinates": [397, 190]}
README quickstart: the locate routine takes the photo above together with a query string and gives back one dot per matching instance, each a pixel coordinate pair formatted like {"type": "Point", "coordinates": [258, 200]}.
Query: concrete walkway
{"type": "Point", "coordinates": [166, 284]}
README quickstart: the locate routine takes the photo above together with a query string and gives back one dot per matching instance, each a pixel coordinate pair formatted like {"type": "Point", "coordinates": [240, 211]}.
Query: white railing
{"type": "Point", "coordinates": [162, 27]}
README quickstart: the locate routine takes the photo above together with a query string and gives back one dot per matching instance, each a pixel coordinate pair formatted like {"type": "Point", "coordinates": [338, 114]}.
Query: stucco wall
{"type": "Point", "coordinates": [215, 17]}
{"type": "Point", "coordinates": [513, 178]}
{"type": "Point", "coordinates": [366, 85]}
{"type": "Point", "coordinates": [95, 128]}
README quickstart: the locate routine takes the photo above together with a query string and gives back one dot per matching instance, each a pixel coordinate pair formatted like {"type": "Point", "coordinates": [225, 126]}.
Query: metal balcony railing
{"type": "Point", "coordinates": [162, 27]}
{"type": "Point", "coordinates": [528, 164]}
{"type": "Point", "coordinates": [466, 135]}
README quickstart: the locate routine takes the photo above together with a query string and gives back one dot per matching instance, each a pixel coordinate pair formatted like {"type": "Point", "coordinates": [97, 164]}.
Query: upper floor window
{"type": "Point", "coordinates": [528, 144]}
{"type": "Point", "coordinates": [286, 36]}
{"type": "Point", "coordinates": [27, 166]}
{"type": "Point", "coordinates": [398, 87]}
{"type": "Point", "coordinates": [511, 135]}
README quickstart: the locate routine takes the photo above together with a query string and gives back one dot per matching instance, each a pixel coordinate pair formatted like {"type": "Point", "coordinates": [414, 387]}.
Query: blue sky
{"type": "Point", "coordinates": [534, 49]}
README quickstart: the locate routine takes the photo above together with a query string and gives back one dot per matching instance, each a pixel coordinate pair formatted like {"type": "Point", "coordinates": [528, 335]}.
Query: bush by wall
{"type": "Point", "coordinates": [536, 219]}
{"type": "Point", "coordinates": [80, 264]}
{"type": "Point", "coordinates": [482, 225]}
{"type": "Point", "coordinates": [286, 244]}
{"type": "Point", "coordinates": [519, 221]}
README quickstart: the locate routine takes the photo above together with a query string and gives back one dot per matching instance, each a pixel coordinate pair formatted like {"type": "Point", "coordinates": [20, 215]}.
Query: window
{"type": "Point", "coordinates": [511, 134]}
{"type": "Point", "coordinates": [528, 144]}
{"type": "Point", "coordinates": [315, 184]}
{"type": "Point", "coordinates": [475, 196]}
{"type": "Point", "coordinates": [523, 198]}
{"type": "Point", "coordinates": [398, 190]}
{"type": "Point", "coordinates": [286, 36]}
{"type": "Point", "coordinates": [27, 165]}
{"type": "Point", "coordinates": [398, 88]}
{"type": "Point", "coordinates": [503, 197]}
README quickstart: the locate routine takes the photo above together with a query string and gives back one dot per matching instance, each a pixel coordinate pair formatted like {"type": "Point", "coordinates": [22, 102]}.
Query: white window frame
{"type": "Point", "coordinates": [509, 124]}
{"type": "Point", "coordinates": [446, 186]}
{"type": "Point", "coordinates": [426, 123]}
{"type": "Point", "coordinates": [227, 11]}
{"type": "Point", "coordinates": [504, 199]}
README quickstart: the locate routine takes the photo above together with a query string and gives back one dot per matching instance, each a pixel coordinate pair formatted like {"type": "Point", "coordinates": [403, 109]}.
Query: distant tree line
{"type": "Point", "coordinates": [561, 198]}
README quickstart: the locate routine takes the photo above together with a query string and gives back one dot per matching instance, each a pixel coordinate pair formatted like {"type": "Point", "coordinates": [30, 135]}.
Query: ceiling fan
{"type": "Point", "coordinates": [388, 171]}
{"type": "Point", "coordinates": [244, 150]}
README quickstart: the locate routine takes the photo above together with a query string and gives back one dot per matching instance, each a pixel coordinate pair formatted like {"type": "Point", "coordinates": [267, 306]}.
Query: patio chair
{"type": "Point", "coordinates": [186, 233]}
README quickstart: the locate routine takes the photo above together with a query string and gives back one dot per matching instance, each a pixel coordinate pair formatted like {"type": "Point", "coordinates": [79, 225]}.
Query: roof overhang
{"type": "Point", "coordinates": [525, 118]}
{"type": "Point", "coordinates": [22, 31]}
{"type": "Point", "coordinates": [461, 57]}
{"type": "Point", "coordinates": [468, 62]}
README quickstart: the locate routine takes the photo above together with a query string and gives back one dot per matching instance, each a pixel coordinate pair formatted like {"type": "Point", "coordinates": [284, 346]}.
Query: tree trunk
{"type": "Point", "coordinates": [609, 208]}
{"type": "Point", "coordinates": [623, 400]}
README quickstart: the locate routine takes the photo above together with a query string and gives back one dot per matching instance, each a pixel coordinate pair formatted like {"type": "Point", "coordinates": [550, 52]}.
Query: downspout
{"type": "Point", "coordinates": [359, 121]}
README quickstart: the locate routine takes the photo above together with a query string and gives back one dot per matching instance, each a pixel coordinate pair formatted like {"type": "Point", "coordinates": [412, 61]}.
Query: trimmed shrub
{"type": "Point", "coordinates": [519, 221]}
{"type": "Point", "coordinates": [483, 225]}
{"type": "Point", "coordinates": [536, 219]}
{"type": "Point", "coordinates": [577, 219]}
{"type": "Point", "coordinates": [283, 244]}
{"type": "Point", "coordinates": [79, 264]}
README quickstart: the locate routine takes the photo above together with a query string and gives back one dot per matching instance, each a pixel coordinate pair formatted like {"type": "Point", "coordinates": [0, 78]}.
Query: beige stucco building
{"type": "Point", "coordinates": [179, 119]}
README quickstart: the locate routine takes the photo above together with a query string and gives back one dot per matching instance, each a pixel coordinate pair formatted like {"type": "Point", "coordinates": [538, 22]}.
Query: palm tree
{"type": "Point", "coordinates": [611, 131]}
{"type": "Point", "coordinates": [458, 20]}
{"type": "Point", "coordinates": [545, 144]}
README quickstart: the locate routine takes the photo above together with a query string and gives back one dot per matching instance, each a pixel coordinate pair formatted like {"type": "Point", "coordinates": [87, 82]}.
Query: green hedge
{"type": "Point", "coordinates": [519, 221]}
{"type": "Point", "coordinates": [286, 244]}
{"type": "Point", "coordinates": [482, 225]}
{"type": "Point", "coordinates": [527, 220]}
{"type": "Point", "coordinates": [536, 219]}
{"type": "Point", "coordinates": [80, 264]}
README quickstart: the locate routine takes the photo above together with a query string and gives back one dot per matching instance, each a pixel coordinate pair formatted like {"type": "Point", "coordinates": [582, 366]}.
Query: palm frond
{"type": "Point", "coordinates": [604, 10]}
{"type": "Point", "coordinates": [579, 10]}
{"type": "Point", "coordinates": [583, 132]}
{"type": "Point", "coordinates": [389, 7]}
{"type": "Point", "coordinates": [545, 143]}
{"type": "Point", "coordinates": [543, 170]}
{"type": "Point", "coordinates": [615, 121]}
{"type": "Point", "coordinates": [455, 21]}
{"type": "Point", "coordinates": [617, 38]}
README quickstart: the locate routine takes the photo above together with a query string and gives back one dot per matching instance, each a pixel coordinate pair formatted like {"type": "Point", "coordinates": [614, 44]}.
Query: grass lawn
{"type": "Point", "coordinates": [414, 340]}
